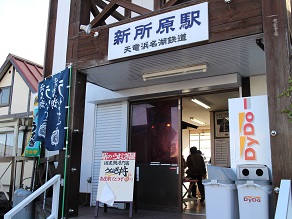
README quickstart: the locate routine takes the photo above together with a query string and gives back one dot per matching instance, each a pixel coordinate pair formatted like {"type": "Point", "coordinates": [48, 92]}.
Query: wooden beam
{"type": "Point", "coordinates": [158, 4]}
{"type": "Point", "coordinates": [278, 65]}
{"type": "Point", "coordinates": [170, 3]}
{"type": "Point", "coordinates": [95, 11]}
{"type": "Point", "coordinates": [102, 5]}
{"type": "Point", "coordinates": [50, 39]}
{"type": "Point", "coordinates": [112, 6]}
{"type": "Point", "coordinates": [127, 12]}
{"type": "Point", "coordinates": [106, 12]}
{"type": "Point", "coordinates": [85, 12]}
{"type": "Point", "coordinates": [5, 159]}
{"type": "Point", "coordinates": [133, 7]}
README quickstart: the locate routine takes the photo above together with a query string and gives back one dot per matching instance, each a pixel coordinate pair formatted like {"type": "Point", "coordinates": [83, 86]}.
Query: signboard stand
{"type": "Point", "coordinates": [105, 208]}
{"type": "Point", "coordinates": [116, 180]}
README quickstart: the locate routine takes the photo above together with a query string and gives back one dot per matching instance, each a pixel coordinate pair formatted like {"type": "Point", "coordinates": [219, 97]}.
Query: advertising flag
{"type": "Point", "coordinates": [57, 112]}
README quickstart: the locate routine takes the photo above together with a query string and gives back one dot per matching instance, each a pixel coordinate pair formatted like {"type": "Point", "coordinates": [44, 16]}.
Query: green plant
{"type": "Point", "coordinates": [288, 93]}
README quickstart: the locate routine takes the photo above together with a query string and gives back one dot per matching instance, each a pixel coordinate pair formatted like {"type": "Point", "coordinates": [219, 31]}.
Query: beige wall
{"type": "Point", "coordinates": [258, 85]}
{"type": "Point", "coordinates": [20, 95]}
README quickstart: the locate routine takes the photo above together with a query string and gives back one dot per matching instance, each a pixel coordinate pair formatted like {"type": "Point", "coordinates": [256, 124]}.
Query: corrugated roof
{"type": "Point", "coordinates": [30, 72]}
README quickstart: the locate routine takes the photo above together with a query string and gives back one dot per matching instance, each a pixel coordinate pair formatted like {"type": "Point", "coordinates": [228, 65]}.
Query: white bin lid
{"type": "Point", "coordinates": [255, 182]}
{"type": "Point", "coordinates": [207, 181]}
{"type": "Point", "coordinates": [221, 174]}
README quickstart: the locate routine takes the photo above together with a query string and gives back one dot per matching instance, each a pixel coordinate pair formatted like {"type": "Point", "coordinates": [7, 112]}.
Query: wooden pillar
{"type": "Point", "coordinates": [79, 14]}
{"type": "Point", "coordinates": [77, 106]}
{"type": "Point", "coordinates": [50, 41]}
{"type": "Point", "coordinates": [278, 53]}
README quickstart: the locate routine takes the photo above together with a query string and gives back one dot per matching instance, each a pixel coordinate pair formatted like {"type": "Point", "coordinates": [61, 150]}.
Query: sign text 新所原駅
{"type": "Point", "coordinates": [175, 28]}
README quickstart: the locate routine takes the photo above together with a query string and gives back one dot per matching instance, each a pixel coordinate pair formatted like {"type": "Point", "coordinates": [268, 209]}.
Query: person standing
{"type": "Point", "coordinates": [196, 170]}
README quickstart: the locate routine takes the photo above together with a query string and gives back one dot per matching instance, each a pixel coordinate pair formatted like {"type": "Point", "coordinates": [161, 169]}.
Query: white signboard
{"type": "Point", "coordinates": [116, 177]}
{"type": "Point", "coordinates": [249, 131]}
{"type": "Point", "coordinates": [175, 28]}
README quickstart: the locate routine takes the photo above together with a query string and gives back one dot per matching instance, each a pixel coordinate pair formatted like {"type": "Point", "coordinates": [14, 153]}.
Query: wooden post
{"type": "Point", "coordinates": [79, 14]}
{"type": "Point", "coordinates": [77, 106]}
{"type": "Point", "coordinates": [278, 53]}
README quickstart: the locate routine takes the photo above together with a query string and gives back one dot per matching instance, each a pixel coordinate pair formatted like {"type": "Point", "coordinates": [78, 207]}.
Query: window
{"type": "Point", "coordinates": [154, 131]}
{"type": "Point", "coordinates": [4, 96]}
{"type": "Point", "coordinates": [6, 144]}
{"type": "Point", "coordinates": [203, 143]}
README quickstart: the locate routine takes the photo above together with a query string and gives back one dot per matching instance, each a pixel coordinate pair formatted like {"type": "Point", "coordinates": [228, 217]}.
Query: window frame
{"type": "Point", "coordinates": [9, 95]}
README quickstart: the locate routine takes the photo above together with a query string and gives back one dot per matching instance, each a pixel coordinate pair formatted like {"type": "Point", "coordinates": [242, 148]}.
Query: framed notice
{"type": "Point", "coordinates": [221, 124]}
{"type": "Point", "coordinates": [116, 177]}
{"type": "Point", "coordinates": [222, 152]}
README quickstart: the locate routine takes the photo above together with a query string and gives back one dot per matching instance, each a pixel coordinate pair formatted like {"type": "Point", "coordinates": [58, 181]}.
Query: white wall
{"type": "Point", "coordinates": [87, 144]}
{"type": "Point", "coordinates": [61, 36]}
{"type": "Point", "coordinates": [185, 143]}
{"type": "Point", "coordinates": [258, 85]}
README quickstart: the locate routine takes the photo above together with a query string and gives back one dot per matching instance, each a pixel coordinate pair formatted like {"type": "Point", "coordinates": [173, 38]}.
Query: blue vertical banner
{"type": "Point", "coordinates": [56, 133]}
{"type": "Point", "coordinates": [44, 95]}
{"type": "Point", "coordinates": [52, 118]}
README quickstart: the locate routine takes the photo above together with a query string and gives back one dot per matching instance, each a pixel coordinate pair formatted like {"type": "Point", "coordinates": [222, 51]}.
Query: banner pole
{"type": "Point", "coordinates": [67, 136]}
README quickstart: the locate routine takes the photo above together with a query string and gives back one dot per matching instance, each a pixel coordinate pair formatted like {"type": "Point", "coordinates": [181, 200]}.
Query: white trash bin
{"type": "Point", "coordinates": [254, 189]}
{"type": "Point", "coordinates": [221, 200]}
{"type": "Point", "coordinates": [221, 194]}
{"type": "Point", "coordinates": [254, 199]}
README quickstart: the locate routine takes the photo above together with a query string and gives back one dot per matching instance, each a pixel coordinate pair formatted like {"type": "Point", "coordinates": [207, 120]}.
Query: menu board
{"type": "Point", "coordinates": [116, 177]}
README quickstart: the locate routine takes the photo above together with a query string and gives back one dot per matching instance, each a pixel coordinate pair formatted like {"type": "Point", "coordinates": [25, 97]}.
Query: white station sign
{"type": "Point", "coordinates": [171, 29]}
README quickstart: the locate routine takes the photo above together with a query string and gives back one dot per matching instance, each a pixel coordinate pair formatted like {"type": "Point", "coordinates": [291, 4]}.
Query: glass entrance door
{"type": "Point", "coordinates": [154, 136]}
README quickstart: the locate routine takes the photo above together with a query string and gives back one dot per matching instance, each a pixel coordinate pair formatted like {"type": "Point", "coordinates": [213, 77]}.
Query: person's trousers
{"type": "Point", "coordinates": [200, 186]}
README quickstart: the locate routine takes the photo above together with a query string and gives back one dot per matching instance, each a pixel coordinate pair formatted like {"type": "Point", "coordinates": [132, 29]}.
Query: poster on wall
{"type": "Point", "coordinates": [221, 124]}
{"type": "Point", "coordinates": [249, 131]}
{"type": "Point", "coordinates": [222, 152]}
{"type": "Point", "coordinates": [116, 177]}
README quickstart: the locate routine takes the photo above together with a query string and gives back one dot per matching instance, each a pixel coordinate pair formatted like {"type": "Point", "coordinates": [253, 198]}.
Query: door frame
{"type": "Point", "coordinates": [179, 166]}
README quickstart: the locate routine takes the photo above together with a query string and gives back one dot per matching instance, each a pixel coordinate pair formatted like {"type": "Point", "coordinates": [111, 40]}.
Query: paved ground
{"type": "Point", "coordinates": [87, 212]}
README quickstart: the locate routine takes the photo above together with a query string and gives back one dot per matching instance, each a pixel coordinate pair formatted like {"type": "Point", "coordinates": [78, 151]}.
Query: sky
{"type": "Point", "coordinates": [23, 29]}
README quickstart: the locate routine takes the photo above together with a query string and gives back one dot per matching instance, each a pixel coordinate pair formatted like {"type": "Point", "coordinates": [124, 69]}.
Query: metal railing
{"type": "Point", "coordinates": [284, 204]}
{"type": "Point", "coordinates": [55, 182]}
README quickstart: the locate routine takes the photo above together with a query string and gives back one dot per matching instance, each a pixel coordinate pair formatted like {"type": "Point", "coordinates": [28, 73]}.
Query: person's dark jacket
{"type": "Point", "coordinates": [196, 165]}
